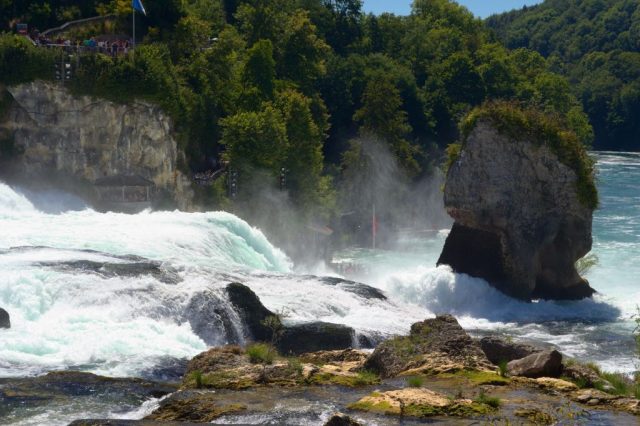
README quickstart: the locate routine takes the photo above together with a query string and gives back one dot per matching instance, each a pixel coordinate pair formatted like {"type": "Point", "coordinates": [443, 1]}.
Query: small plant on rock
{"type": "Point", "coordinates": [366, 377]}
{"type": "Point", "coordinates": [491, 401]}
{"type": "Point", "coordinates": [197, 378]}
{"type": "Point", "coordinates": [415, 382]}
{"type": "Point", "coordinates": [261, 353]}
{"type": "Point", "coordinates": [502, 367]}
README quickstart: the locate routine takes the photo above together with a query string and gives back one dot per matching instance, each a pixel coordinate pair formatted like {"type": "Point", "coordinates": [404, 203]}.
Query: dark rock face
{"type": "Point", "coordinates": [315, 336]}
{"type": "Point", "coordinates": [250, 309]}
{"type": "Point", "coordinates": [433, 345]}
{"type": "Point", "coordinates": [541, 364]}
{"type": "Point", "coordinates": [73, 384]}
{"type": "Point", "coordinates": [5, 321]}
{"type": "Point", "coordinates": [295, 339]}
{"type": "Point", "coordinates": [211, 319]}
{"type": "Point", "coordinates": [497, 350]}
{"type": "Point", "coordinates": [518, 221]}
{"type": "Point", "coordinates": [340, 419]}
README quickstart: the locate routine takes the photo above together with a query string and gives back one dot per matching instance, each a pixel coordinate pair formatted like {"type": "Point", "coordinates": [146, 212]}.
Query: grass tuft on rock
{"type": "Point", "coordinates": [261, 353]}
{"type": "Point", "coordinates": [551, 130]}
{"type": "Point", "coordinates": [415, 381]}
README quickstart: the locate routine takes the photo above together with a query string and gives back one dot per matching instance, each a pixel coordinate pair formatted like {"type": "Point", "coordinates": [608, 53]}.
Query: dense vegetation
{"type": "Point", "coordinates": [308, 86]}
{"type": "Point", "coordinates": [596, 44]}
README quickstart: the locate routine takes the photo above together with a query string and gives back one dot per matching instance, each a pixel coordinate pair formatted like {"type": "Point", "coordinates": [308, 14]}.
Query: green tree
{"type": "Point", "coordinates": [259, 74]}
{"type": "Point", "coordinates": [382, 115]}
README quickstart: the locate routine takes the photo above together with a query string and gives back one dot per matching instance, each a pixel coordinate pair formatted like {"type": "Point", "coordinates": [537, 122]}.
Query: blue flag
{"type": "Point", "coordinates": [137, 5]}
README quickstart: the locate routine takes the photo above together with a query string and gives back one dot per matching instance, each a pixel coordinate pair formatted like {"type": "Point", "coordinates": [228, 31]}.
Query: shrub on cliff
{"type": "Point", "coordinates": [553, 130]}
{"type": "Point", "coordinates": [21, 61]}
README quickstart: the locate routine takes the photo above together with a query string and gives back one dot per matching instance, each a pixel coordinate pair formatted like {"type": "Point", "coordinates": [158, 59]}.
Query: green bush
{"type": "Point", "coordinates": [22, 62]}
{"type": "Point", "coordinates": [491, 401]}
{"type": "Point", "coordinates": [197, 378]}
{"type": "Point", "coordinates": [365, 378]}
{"type": "Point", "coordinates": [261, 353]}
{"type": "Point", "coordinates": [551, 130]}
{"type": "Point", "coordinates": [415, 382]}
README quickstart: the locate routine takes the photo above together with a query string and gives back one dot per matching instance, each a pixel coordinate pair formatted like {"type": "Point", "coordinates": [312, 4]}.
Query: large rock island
{"type": "Point", "coordinates": [521, 192]}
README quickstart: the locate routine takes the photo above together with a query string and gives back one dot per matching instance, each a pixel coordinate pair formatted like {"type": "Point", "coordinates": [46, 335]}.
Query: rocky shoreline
{"type": "Point", "coordinates": [437, 372]}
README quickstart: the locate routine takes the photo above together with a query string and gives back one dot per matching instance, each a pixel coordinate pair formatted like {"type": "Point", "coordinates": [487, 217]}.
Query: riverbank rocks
{"type": "Point", "coordinates": [419, 403]}
{"type": "Point", "coordinates": [498, 350]}
{"type": "Point", "coordinates": [230, 367]}
{"type": "Point", "coordinates": [541, 364]}
{"type": "Point", "coordinates": [434, 346]}
{"type": "Point", "coordinates": [519, 222]}
{"type": "Point", "coordinates": [340, 419]}
{"type": "Point", "coordinates": [5, 320]}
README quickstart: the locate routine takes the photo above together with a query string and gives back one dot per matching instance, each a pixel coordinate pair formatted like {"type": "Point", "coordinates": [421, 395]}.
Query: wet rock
{"type": "Point", "coordinates": [419, 402]}
{"type": "Point", "coordinates": [70, 384]}
{"type": "Point", "coordinates": [541, 364]}
{"type": "Point", "coordinates": [250, 309]}
{"type": "Point", "coordinates": [360, 289]}
{"type": "Point", "coordinates": [5, 321]}
{"type": "Point", "coordinates": [212, 320]}
{"type": "Point", "coordinates": [498, 350]}
{"type": "Point", "coordinates": [315, 336]}
{"type": "Point", "coordinates": [519, 223]}
{"type": "Point", "coordinates": [118, 422]}
{"type": "Point", "coordinates": [535, 416]}
{"type": "Point", "coordinates": [340, 419]}
{"type": "Point", "coordinates": [158, 270]}
{"type": "Point", "coordinates": [435, 345]}
{"type": "Point", "coordinates": [192, 406]}
{"type": "Point", "coordinates": [325, 357]}
{"type": "Point", "coordinates": [295, 339]}
{"type": "Point", "coordinates": [586, 376]}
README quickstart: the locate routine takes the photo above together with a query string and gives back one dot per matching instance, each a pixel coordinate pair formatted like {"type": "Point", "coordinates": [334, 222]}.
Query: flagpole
{"type": "Point", "coordinates": [133, 45]}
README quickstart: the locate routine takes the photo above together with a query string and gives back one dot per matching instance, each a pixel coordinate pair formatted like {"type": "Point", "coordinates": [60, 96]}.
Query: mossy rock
{"type": "Point", "coordinates": [532, 125]}
{"type": "Point", "coordinates": [478, 378]}
{"type": "Point", "coordinates": [419, 403]}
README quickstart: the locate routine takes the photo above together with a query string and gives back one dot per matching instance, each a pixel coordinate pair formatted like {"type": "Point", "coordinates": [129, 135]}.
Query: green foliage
{"type": "Point", "coordinates": [540, 128]}
{"type": "Point", "coordinates": [595, 44]}
{"type": "Point", "coordinates": [491, 401]}
{"type": "Point", "coordinates": [197, 378]}
{"type": "Point", "coordinates": [415, 381]}
{"type": "Point", "coordinates": [21, 62]}
{"type": "Point", "coordinates": [295, 365]}
{"type": "Point", "coordinates": [585, 264]}
{"type": "Point", "coordinates": [261, 353]}
{"type": "Point", "coordinates": [365, 378]}
{"type": "Point", "coordinates": [502, 368]}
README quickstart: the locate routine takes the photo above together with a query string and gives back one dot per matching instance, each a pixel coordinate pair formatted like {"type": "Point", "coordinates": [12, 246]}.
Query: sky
{"type": "Point", "coordinates": [481, 8]}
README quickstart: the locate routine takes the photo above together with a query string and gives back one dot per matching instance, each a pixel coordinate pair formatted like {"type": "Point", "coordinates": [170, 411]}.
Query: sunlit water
{"type": "Point", "coordinates": [66, 315]}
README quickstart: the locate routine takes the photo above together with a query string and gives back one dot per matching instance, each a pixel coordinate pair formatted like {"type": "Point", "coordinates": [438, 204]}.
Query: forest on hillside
{"type": "Point", "coordinates": [596, 45]}
{"type": "Point", "coordinates": [312, 87]}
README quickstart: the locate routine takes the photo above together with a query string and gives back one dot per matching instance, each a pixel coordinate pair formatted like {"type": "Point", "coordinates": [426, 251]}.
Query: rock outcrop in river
{"type": "Point", "coordinates": [520, 222]}
{"type": "Point", "coordinates": [86, 141]}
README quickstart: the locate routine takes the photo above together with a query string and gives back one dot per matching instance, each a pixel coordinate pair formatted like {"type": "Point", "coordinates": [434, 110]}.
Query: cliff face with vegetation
{"type": "Point", "coordinates": [86, 139]}
{"type": "Point", "coordinates": [522, 211]}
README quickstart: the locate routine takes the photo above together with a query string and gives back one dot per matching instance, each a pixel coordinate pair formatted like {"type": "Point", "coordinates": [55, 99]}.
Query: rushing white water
{"type": "Point", "coordinates": [117, 294]}
{"type": "Point", "coordinates": [71, 309]}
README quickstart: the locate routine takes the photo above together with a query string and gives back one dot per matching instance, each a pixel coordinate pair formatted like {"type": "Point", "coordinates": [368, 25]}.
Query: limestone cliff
{"type": "Point", "coordinates": [519, 222]}
{"type": "Point", "coordinates": [87, 139]}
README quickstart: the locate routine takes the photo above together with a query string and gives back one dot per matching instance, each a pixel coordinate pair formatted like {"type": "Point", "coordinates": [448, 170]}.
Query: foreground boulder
{"type": "Point", "coordinates": [498, 350]}
{"type": "Point", "coordinates": [522, 215]}
{"type": "Point", "coordinates": [340, 419]}
{"type": "Point", "coordinates": [294, 339]}
{"type": "Point", "coordinates": [437, 345]}
{"type": "Point", "coordinates": [315, 336]}
{"type": "Point", "coordinates": [192, 406]}
{"type": "Point", "coordinates": [5, 321]}
{"type": "Point", "coordinates": [541, 364]}
{"type": "Point", "coordinates": [230, 367]}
